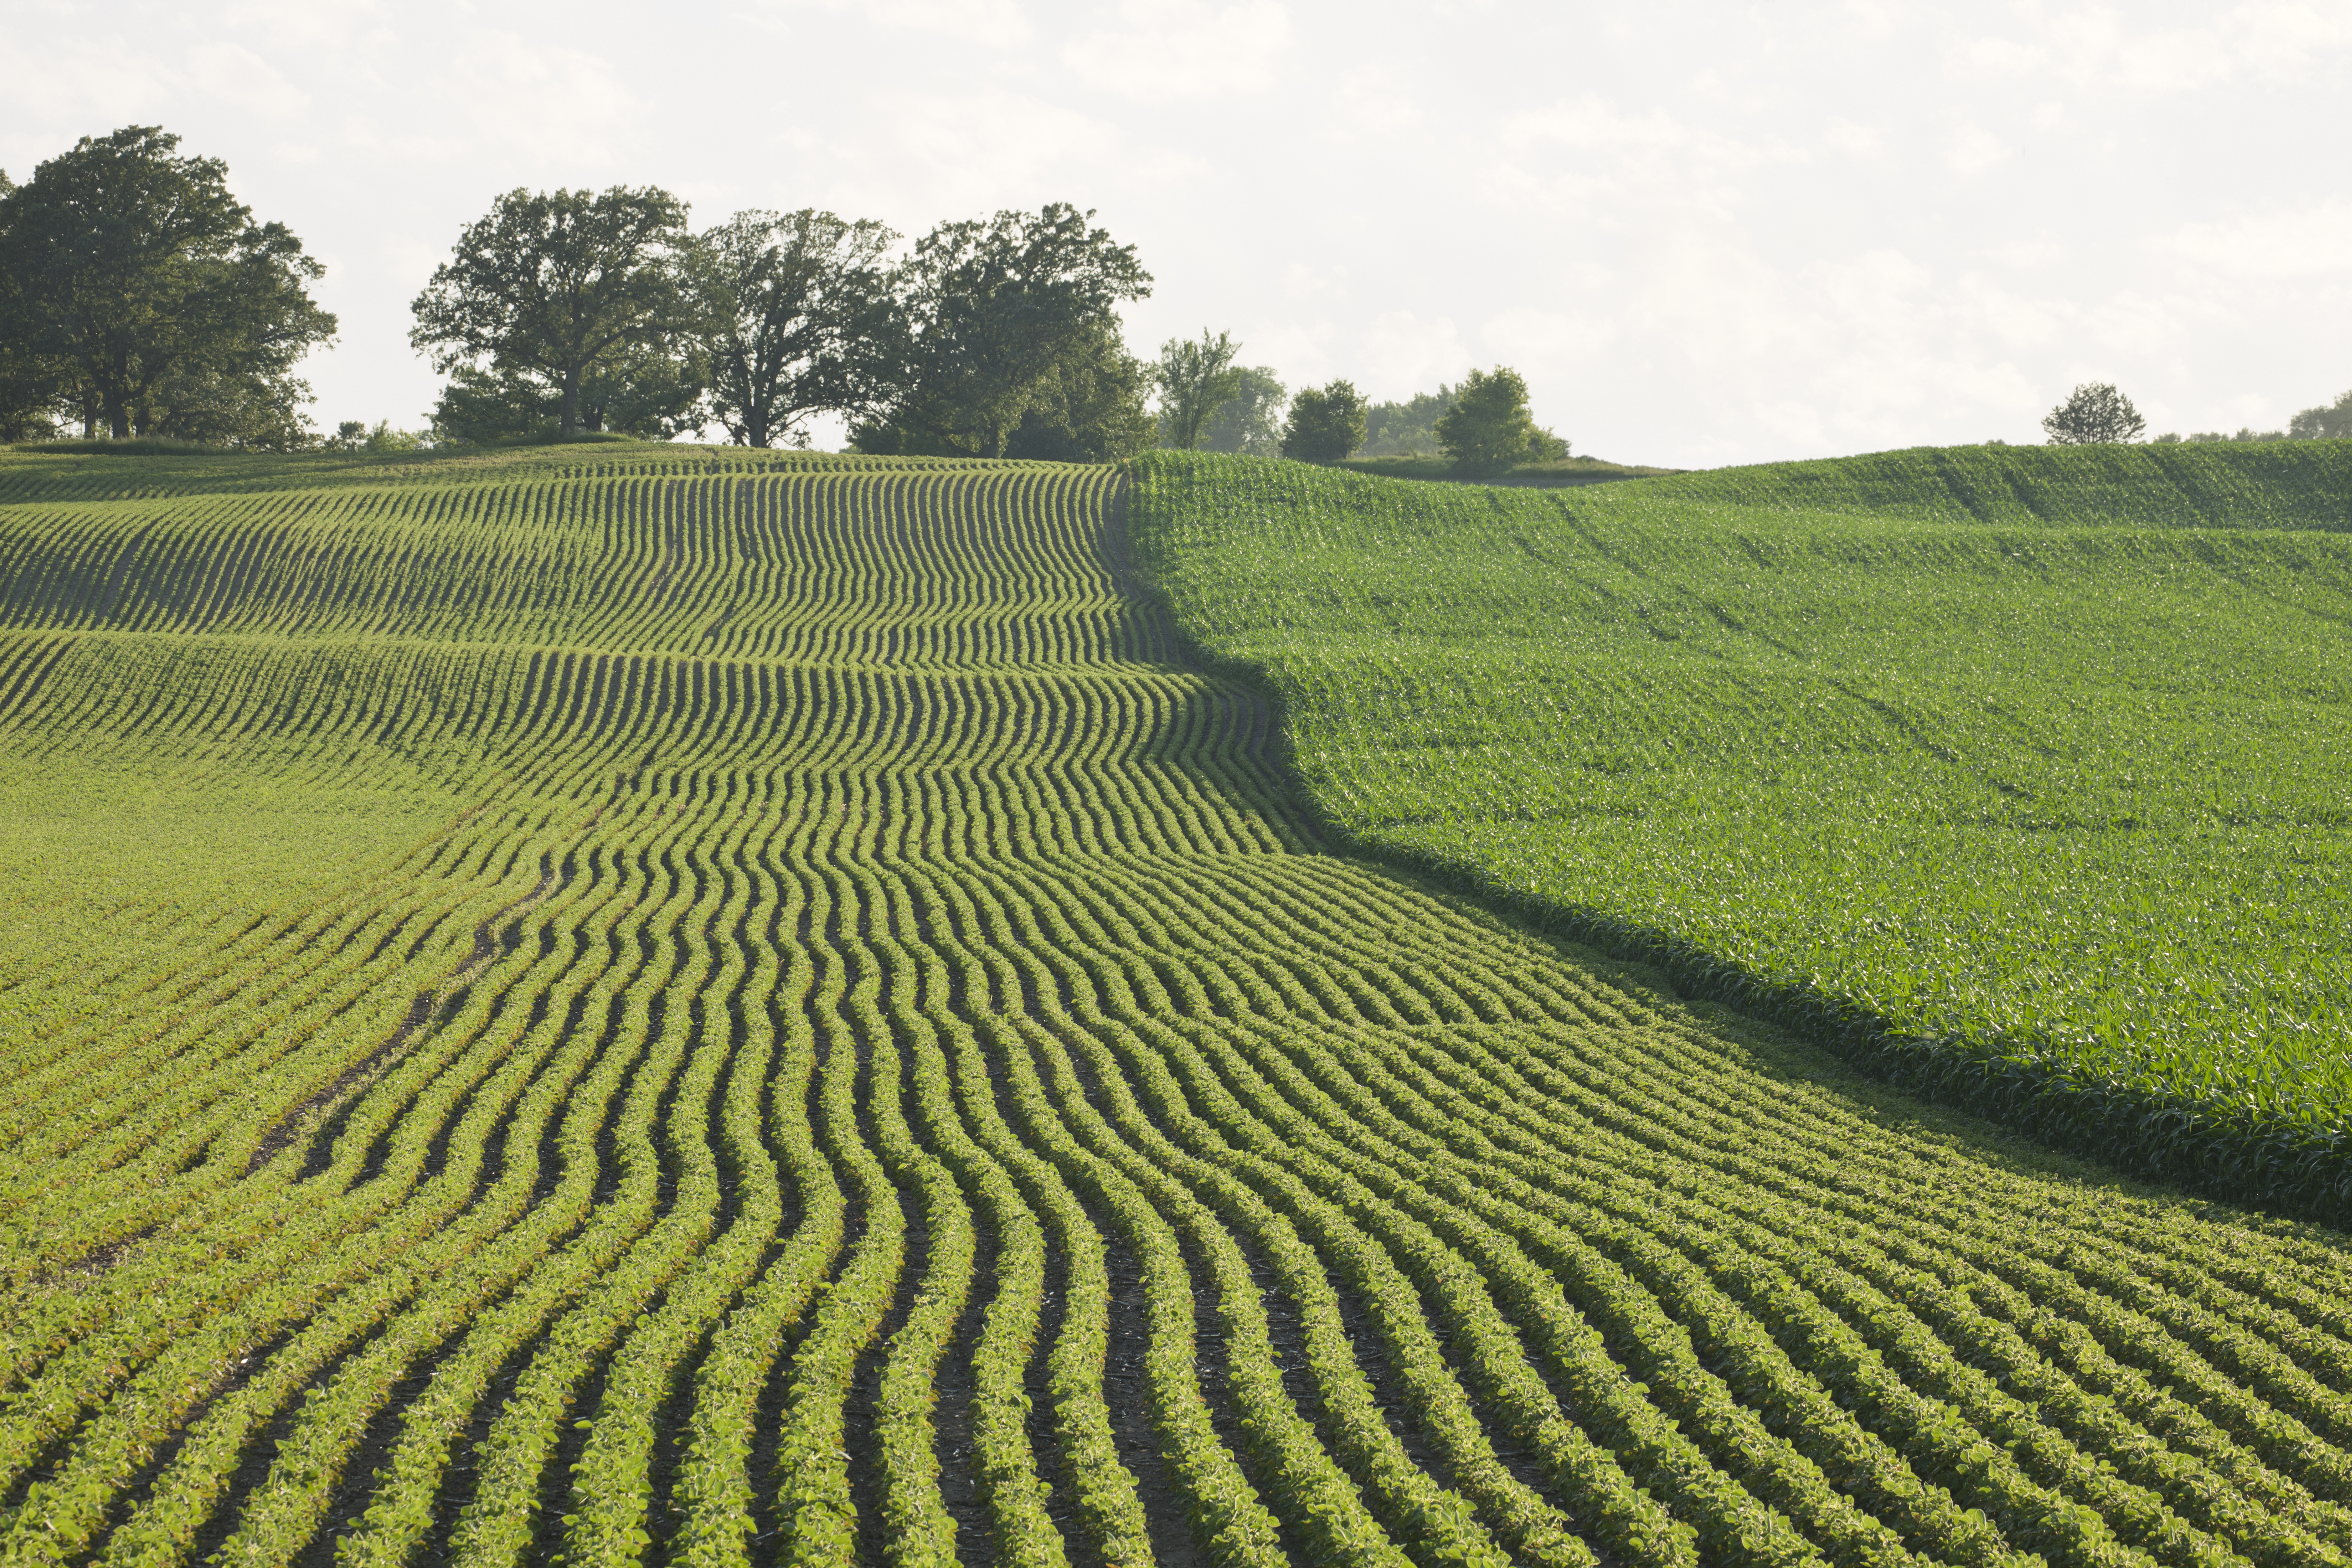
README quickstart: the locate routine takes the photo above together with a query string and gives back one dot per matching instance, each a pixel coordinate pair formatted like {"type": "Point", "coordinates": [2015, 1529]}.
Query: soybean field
{"type": "Point", "coordinates": [2023, 770]}
{"type": "Point", "coordinates": [650, 1006]}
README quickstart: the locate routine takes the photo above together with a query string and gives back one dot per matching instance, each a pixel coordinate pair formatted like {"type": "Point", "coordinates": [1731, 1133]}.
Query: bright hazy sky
{"type": "Point", "coordinates": [1705, 233]}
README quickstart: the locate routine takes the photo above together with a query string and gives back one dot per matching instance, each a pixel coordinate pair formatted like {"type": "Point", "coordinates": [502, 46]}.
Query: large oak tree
{"type": "Point", "coordinates": [994, 313]}
{"type": "Point", "coordinates": [553, 287]}
{"type": "Point", "coordinates": [795, 317]}
{"type": "Point", "coordinates": [133, 274]}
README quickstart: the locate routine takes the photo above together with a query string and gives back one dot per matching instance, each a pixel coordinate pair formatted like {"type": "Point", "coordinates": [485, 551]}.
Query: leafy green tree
{"type": "Point", "coordinates": [1489, 430]}
{"type": "Point", "coordinates": [2327, 422]}
{"type": "Point", "coordinates": [553, 290]}
{"type": "Point", "coordinates": [797, 319]}
{"type": "Point", "coordinates": [2094, 413]}
{"type": "Point", "coordinates": [1326, 423]}
{"type": "Point", "coordinates": [355, 436]}
{"type": "Point", "coordinates": [1250, 422]}
{"type": "Point", "coordinates": [654, 393]}
{"type": "Point", "coordinates": [1194, 381]}
{"type": "Point", "coordinates": [993, 314]}
{"type": "Point", "coordinates": [32, 386]}
{"type": "Point", "coordinates": [1407, 429]}
{"type": "Point", "coordinates": [206, 403]}
{"type": "Point", "coordinates": [1089, 408]}
{"type": "Point", "coordinates": [133, 272]}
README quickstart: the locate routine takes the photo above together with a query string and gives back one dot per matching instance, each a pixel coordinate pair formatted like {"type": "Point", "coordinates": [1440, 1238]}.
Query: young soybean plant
{"type": "Point", "coordinates": [661, 1006]}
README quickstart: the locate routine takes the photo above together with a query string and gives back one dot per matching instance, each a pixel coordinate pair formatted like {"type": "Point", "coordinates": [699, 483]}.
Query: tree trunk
{"type": "Point", "coordinates": [117, 416]}
{"type": "Point", "coordinates": [571, 419]}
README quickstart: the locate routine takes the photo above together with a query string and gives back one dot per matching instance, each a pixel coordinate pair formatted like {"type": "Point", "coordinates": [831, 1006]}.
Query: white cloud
{"type": "Point", "coordinates": [1854, 140]}
{"type": "Point", "coordinates": [960, 154]}
{"type": "Point", "coordinates": [1369, 101]}
{"type": "Point", "coordinates": [1300, 281]}
{"type": "Point", "coordinates": [2028, 255]}
{"type": "Point", "coordinates": [503, 98]}
{"type": "Point", "coordinates": [279, 23]}
{"type": "Point", "coordinates": [1971, 150]}
{"type": "Point", "coordinates": [999, 22]}
{"type": "Point", "coordinates": [2101, 45]}
{"type": "Point", "coordinates": [1173, 49]}
{"type": "Point", "coordinates": [1400, 353]}
{"type": "Point", "coordinates": [1618, 163]}
{"type": "Point", "coordinates": [1561, 341]}
{"type": "Point", "coordinates": [2300, 242]}
{"type": "Point", "coordinates": [244, 77]}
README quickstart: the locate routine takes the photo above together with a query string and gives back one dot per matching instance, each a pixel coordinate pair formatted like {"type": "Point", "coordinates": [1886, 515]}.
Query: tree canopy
{"type": "Point", "coordinates": [2093, 414]}
{"type": "Point", "coordinates": [564, 299]}
{"type": "Point", "coordinates": [1194, 381]}
{"type": "Point", "coordinates": [135, 286]}
{"type": "Point", "coordinates": [2329, 421]}
{"type": "Point", "coordinates": [998, 317]}
{"type": "Point", "coordinates": [1250, 422]}
{"type": "Point", "coordinates": [1326, 423]}
{"type": "Point", "coordinates": [795, 314]}
{"type": "Point", "coordinates": [1489, 430]}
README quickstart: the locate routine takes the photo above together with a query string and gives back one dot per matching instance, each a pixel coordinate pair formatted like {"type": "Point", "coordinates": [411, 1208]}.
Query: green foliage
{"type": "Point", "coordinates": [1090, 407]}
{"type": "Point", "coordinates": [2330, 422]}
{"type": "Point", "coordinates": [2028, 756]}
{"type": "Point", "coordinates": [701, 1005]}
{"type": "Point", "coordinates": [2094, 413]}
{"type": "Point", "coordinates": [645, 394]}
{"type": "Point", "coordinates": [1250, 422]}
{"type": "Point", "coordinates": [1407, 429]}
{"type": "Point", "coordinates": [355, 436]}
{"type": "Point", "coordinates": [569, 304]}
{"type": "Point", "coordinates": [1326, 423]}
{"type": "Point", "coordinates": [1000, 318]}
{"type": "Point", "coordinates": [795, 320]}
{"type": "Point", "coordinates": [134, 286]}
{"type": "Point", "coordinates": [1488, 429]}
{"type": "Point", "coordinates": [1194, 379]}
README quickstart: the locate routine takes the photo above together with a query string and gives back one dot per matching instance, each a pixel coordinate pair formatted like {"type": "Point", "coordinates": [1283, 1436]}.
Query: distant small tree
{"type": "Point", "coordinates": [2095, 414]}
{"type": "Point", "coordinates": [2325, 423]}
{"type": "Point", "coordinates": [552, 287]}
{"type": "Point", "coordinates": [1489, 429]}
{"type": "Point", "coordinates": [1250, 423]}
{"type": "Point", "coordinates": [355, 436]}
{"type": "Point", "coordinates": [1194, 379]}
{"type": "Point", "coordinates": [1325, 424]}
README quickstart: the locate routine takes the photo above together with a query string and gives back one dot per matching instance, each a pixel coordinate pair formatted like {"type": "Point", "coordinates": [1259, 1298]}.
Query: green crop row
{"type": "Point", "coordinates": [2031, 804]}
{"type": "Point", "coordinates": [651, 1009]}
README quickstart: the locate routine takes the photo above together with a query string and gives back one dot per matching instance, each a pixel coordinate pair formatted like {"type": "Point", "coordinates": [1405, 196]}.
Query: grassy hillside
{"type": "Point", "coordinates": [670, 1009]}
{"type": "Point", "coordinates": [2035, 757]}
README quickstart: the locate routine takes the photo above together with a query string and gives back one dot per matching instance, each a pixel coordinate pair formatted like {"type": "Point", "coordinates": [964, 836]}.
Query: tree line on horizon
{"type": "Point", "coordinates": [2096, 413]}
{"type": "Point", "coordinates": [139, 299]}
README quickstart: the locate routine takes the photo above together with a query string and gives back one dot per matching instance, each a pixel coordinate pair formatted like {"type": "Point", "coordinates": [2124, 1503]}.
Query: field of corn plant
{"type": "Point", "coordinates": [658, 1007]}
{"type": "Point", "coordinates": [2020, 772]}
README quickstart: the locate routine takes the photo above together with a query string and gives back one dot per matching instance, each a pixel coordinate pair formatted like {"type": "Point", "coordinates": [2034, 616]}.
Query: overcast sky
{"type": "Point", "coordinates": [1705, 233]}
